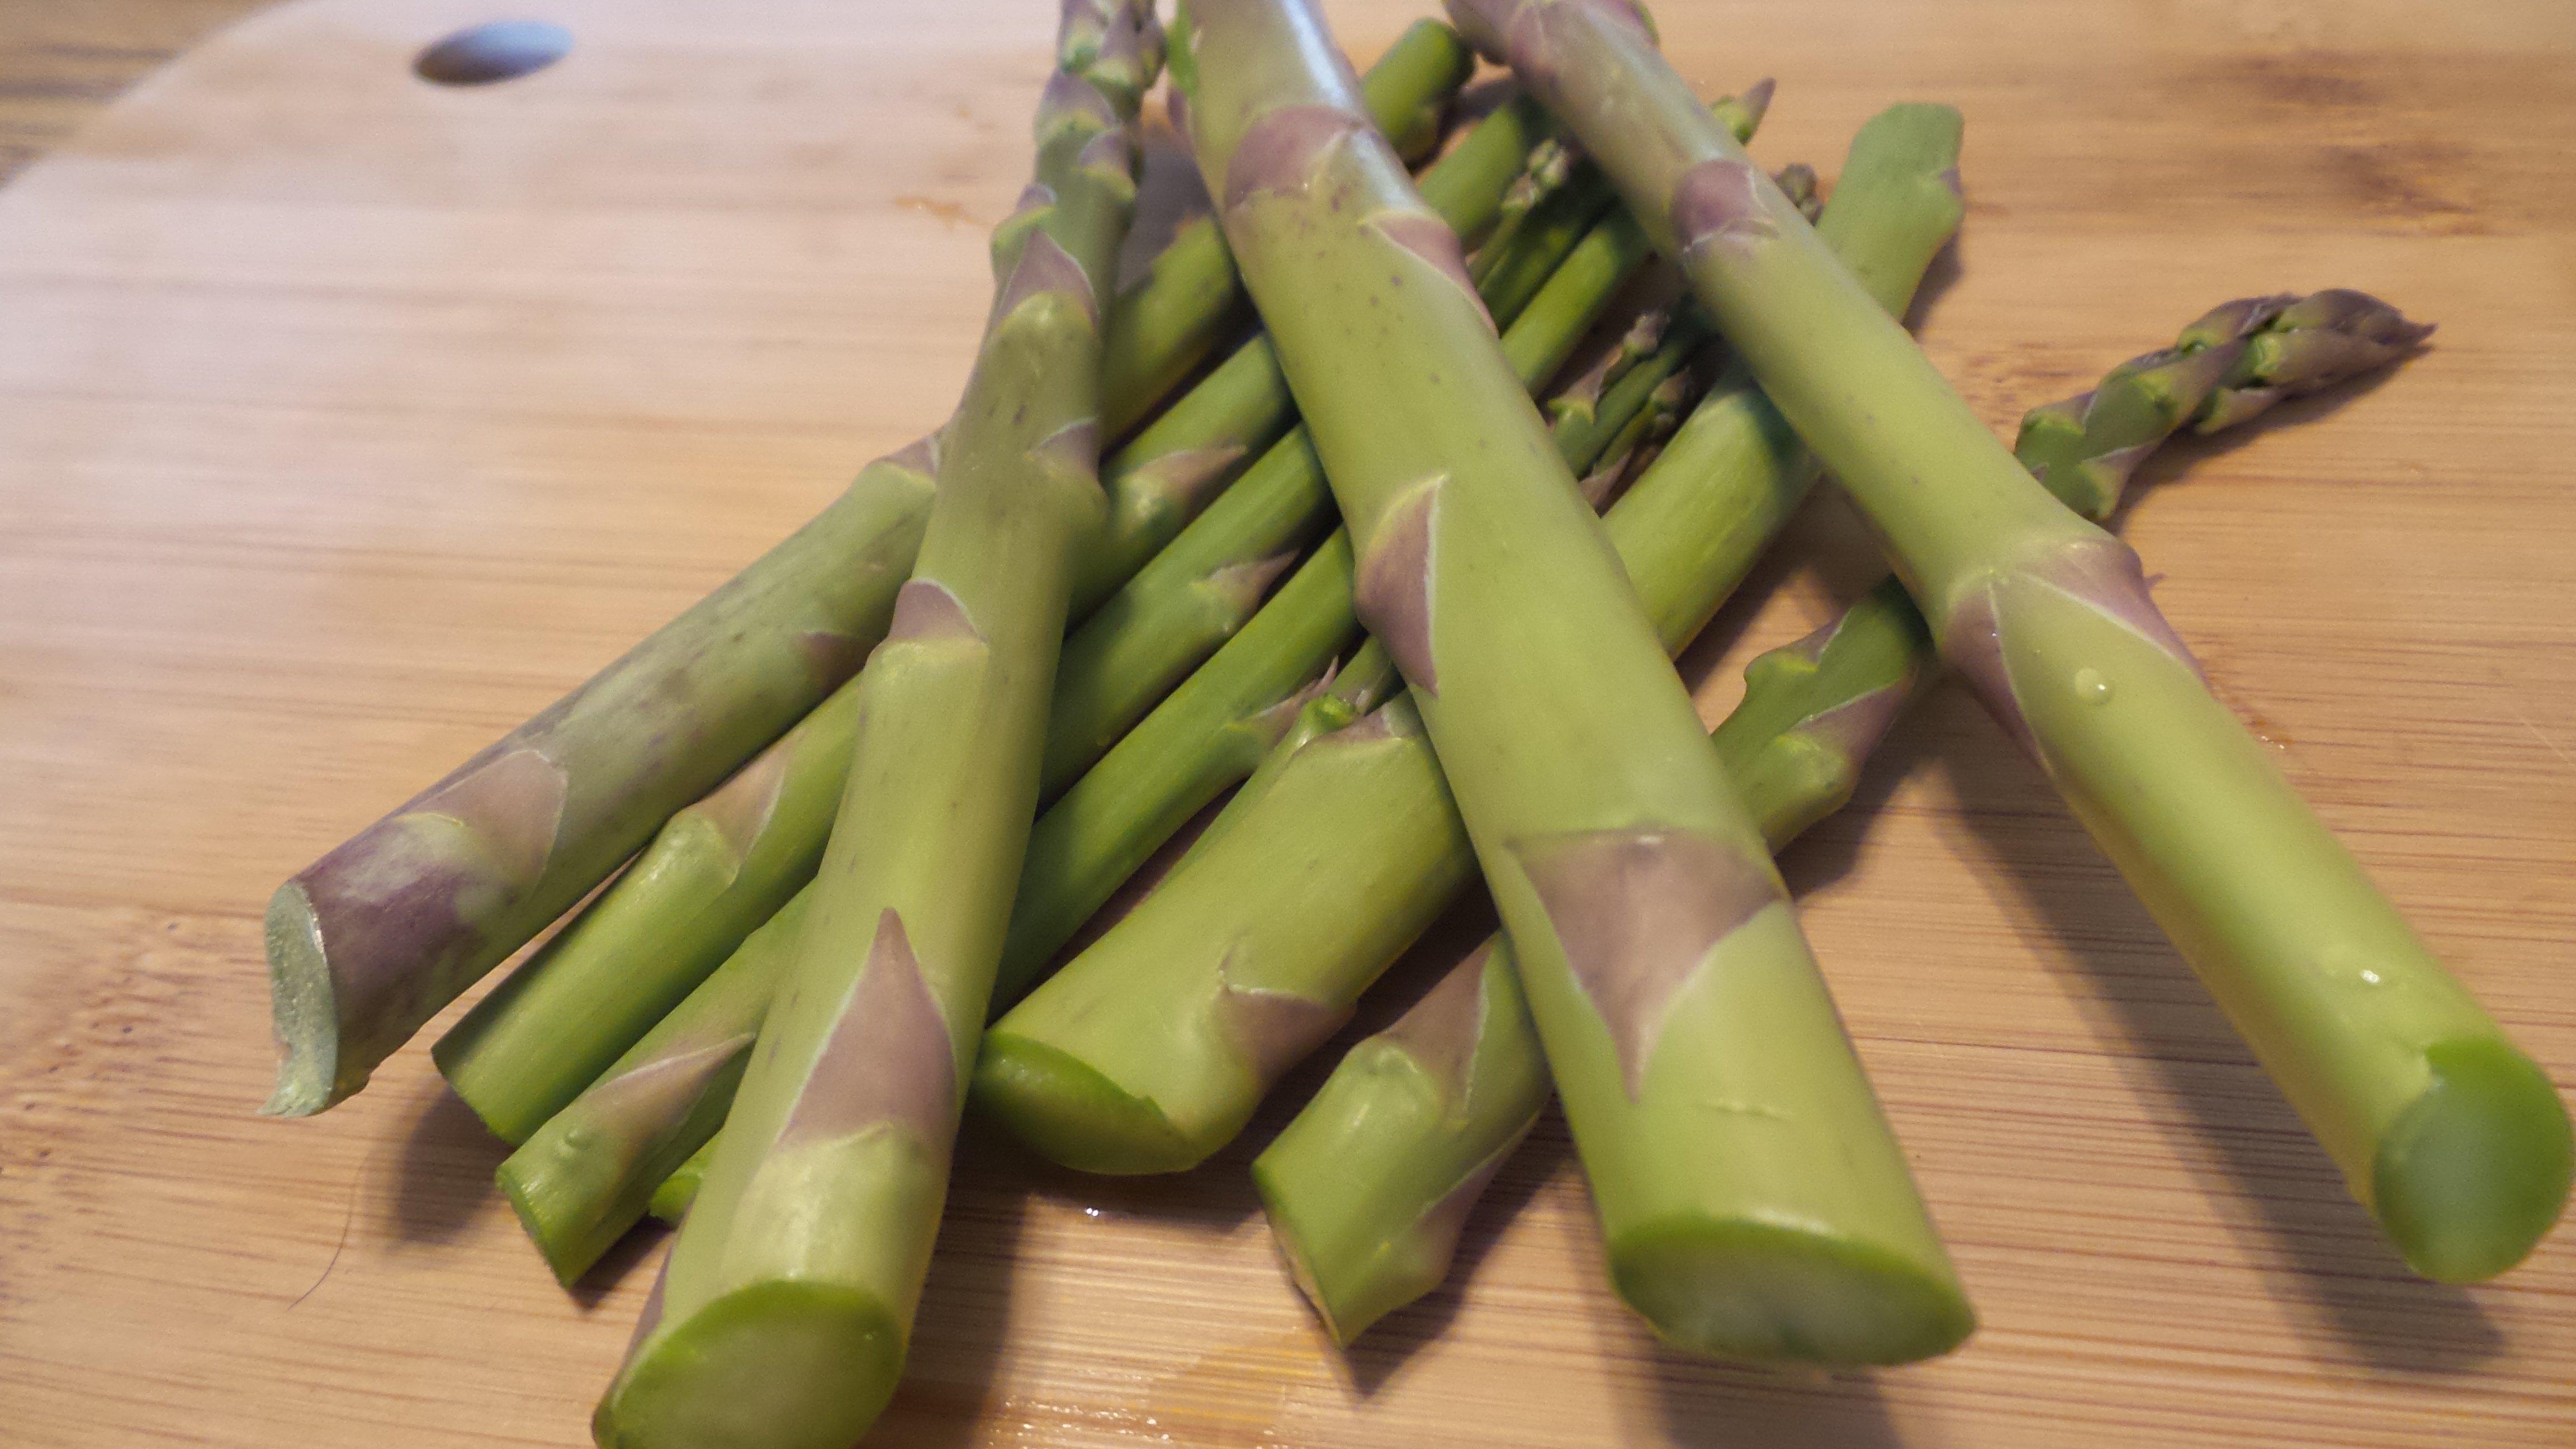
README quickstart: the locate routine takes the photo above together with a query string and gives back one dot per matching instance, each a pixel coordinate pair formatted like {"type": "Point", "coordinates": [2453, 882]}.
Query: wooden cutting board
{"type": "Point", "coordinates": [346, 419]}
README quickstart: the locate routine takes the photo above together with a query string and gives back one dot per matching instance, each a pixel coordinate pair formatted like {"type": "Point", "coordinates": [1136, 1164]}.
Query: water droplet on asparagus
{"type": "Point", "coordinates": [2091, 686]}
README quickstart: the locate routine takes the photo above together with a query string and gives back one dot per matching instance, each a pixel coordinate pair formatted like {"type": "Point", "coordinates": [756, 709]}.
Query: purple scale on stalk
{"type": "Point", "coordinates": [888, 1061]}
{"type": "Point", "coordinates": [1394, 589]}
{"type": "Point", "coordinates": [1637, 914]}
{"type": "Point", "coordinates": [1285, 149]}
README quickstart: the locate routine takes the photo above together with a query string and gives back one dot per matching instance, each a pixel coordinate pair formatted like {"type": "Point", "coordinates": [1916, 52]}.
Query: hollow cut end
{"type": "Point", "coordinates": [2477, 1168]}
{"type": "Point", "coordinates": [1760, 1291]}
{"type": "Point", "coordinates": [1071, 1113]}
{"type": "Point", "coordinates": [569, 1243]}
{"type": "Point", "coordinates": [304, 1013]}
{"type": "Point", "coordinates": [778, 1365]}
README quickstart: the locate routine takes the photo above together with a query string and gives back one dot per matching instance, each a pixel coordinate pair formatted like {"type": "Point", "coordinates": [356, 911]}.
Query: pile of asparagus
{"type": "Point", "coordinates": [867, 794]}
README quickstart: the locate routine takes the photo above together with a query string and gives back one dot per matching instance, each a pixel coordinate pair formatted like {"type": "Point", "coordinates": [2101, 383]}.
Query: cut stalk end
{"type": "Point", "coordinates": [1070, 1113]}
{"type": "Point", "coordinates": [2477, 1168]}
{"type": "Point", "coordinates": [568, 1248]}
{"type": "Point", "coordinates": [1297, 1256]}
{"type": "Point", "coordinates": [1751, 1290]}
{"type": "Point", "coordinates": [778, 1365]}
{"type": "Point", "coordinates": [303, 1010]}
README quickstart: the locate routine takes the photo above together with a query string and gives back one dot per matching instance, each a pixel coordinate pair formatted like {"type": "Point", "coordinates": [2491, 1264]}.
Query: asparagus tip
{"type": "Point", "coordinates": [1756, 99]}
{"type": "Point", "coordinates": [301, 1008]}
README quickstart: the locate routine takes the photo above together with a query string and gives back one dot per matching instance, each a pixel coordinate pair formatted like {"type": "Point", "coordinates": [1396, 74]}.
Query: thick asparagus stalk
{"type": "Point", "coordinates": [2448, 1133]}
{"type": "Point", "coordinates": [1344, 847]}
{"type": "Point", "coordinates": [722, 866]}
{"type": "Point", "coordinates": [1195, 594]}
{"type": "Point", "coordinates": [1170, 319]}
{"type": "Point", "coordinates": [1663, 961]}
{"type": "Point", "coordinates": [784, 1308]}
{"type": "Point", "coordinates": [1367, 1187]}
{"type": "Point", "coordinates": [370, 941]}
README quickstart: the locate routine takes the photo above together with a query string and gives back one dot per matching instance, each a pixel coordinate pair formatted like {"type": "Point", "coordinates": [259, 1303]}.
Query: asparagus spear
{"type": "Point", "coordinates": [1196, 593]}
{"type": "Point", "coordinates": [1687, 1027]}
{"type": "Point", "coordinates": [2447, 1132]}
{"type": "Point", "coordinates": [784, 1308]}
{"type": "Point", "coordinates": [581, 1179]}
{"type": "Point", "coordinates": [1367, 1187]}
{"type": "Point", "coordinates": [722, 866]}
{"type": "Point", "coordinates": [1170, 319]}
{"type": "Point", "coordinates": [1344, 847]}
{"type": "Point", "coordinates": [369, 942]}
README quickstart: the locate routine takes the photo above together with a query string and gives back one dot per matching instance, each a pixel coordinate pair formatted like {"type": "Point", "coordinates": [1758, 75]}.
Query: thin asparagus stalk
{"type": "Point", "coordinates": [369, 942]}
{"type": "Point", "coordinates": [1171, 318]}
{"type": "Point", "coordinates": [581, 1179]}
{"type": "Point", "coordinates": [1344, 847]}
{"type": "Point", "coordinates": [1663, 960]}
{"type": "Point", "coordinates": [1367, 1188]}
{"type": "Point", "coordinates": [2451, 1136]}
{"type": "Point", "coordinates": [784, 1308]}
{"type": "Point", "coordinates": [722, 866]}
{"type": "Point", "coordinates": [1198, 591]}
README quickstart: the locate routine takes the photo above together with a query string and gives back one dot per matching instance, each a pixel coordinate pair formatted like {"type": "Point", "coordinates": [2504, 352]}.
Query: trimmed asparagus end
{"type": "Point", "coordinates": [1070, 1113]}
{"type": "Point", "coordinates": [565, 1246]}
{"type": "Point", "coordinates": [1754, 1290]}
{"type": "Point", "coordinates": [1353, 1265]}
{"type": "Point", "coordinates": [2476, 1169]}
{"type": "Point", "coordinates": [303, 1010]}
{"type": "Point", "coordinates": [569, 1247]}
{"type": "Point", "coordinates": [778, 1365]}
{"type": "Point", "coordinates": [1343, 1320]}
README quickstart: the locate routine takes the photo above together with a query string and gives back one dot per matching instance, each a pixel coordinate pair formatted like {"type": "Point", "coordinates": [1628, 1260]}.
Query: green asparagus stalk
{"type": "Point", "coordinates": [1343, 847]}
{"type": "Point", "coordinates": [1198, 591]}
{"type": "Point", "coordinates": [1170, 319]}
{"type": "Point", "coordinates": [581, 1179]}
{"type": "Point", "coordinates": [722, 866]}
{"type": "Point", "coordinates": [1367, 1188]}
{"type": "Point", "coordinates": [783, 1311]}
{"type": "Point", "coordinates": [369, 942]}
{"type": "Point", "coordinates": [2448, 1133]}
{"type": "Point", "coordinates": [1663, 960]}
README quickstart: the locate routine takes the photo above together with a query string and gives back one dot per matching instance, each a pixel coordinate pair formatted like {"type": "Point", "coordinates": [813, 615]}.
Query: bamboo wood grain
{"type": "Point", "coordinates": [344, 420]}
